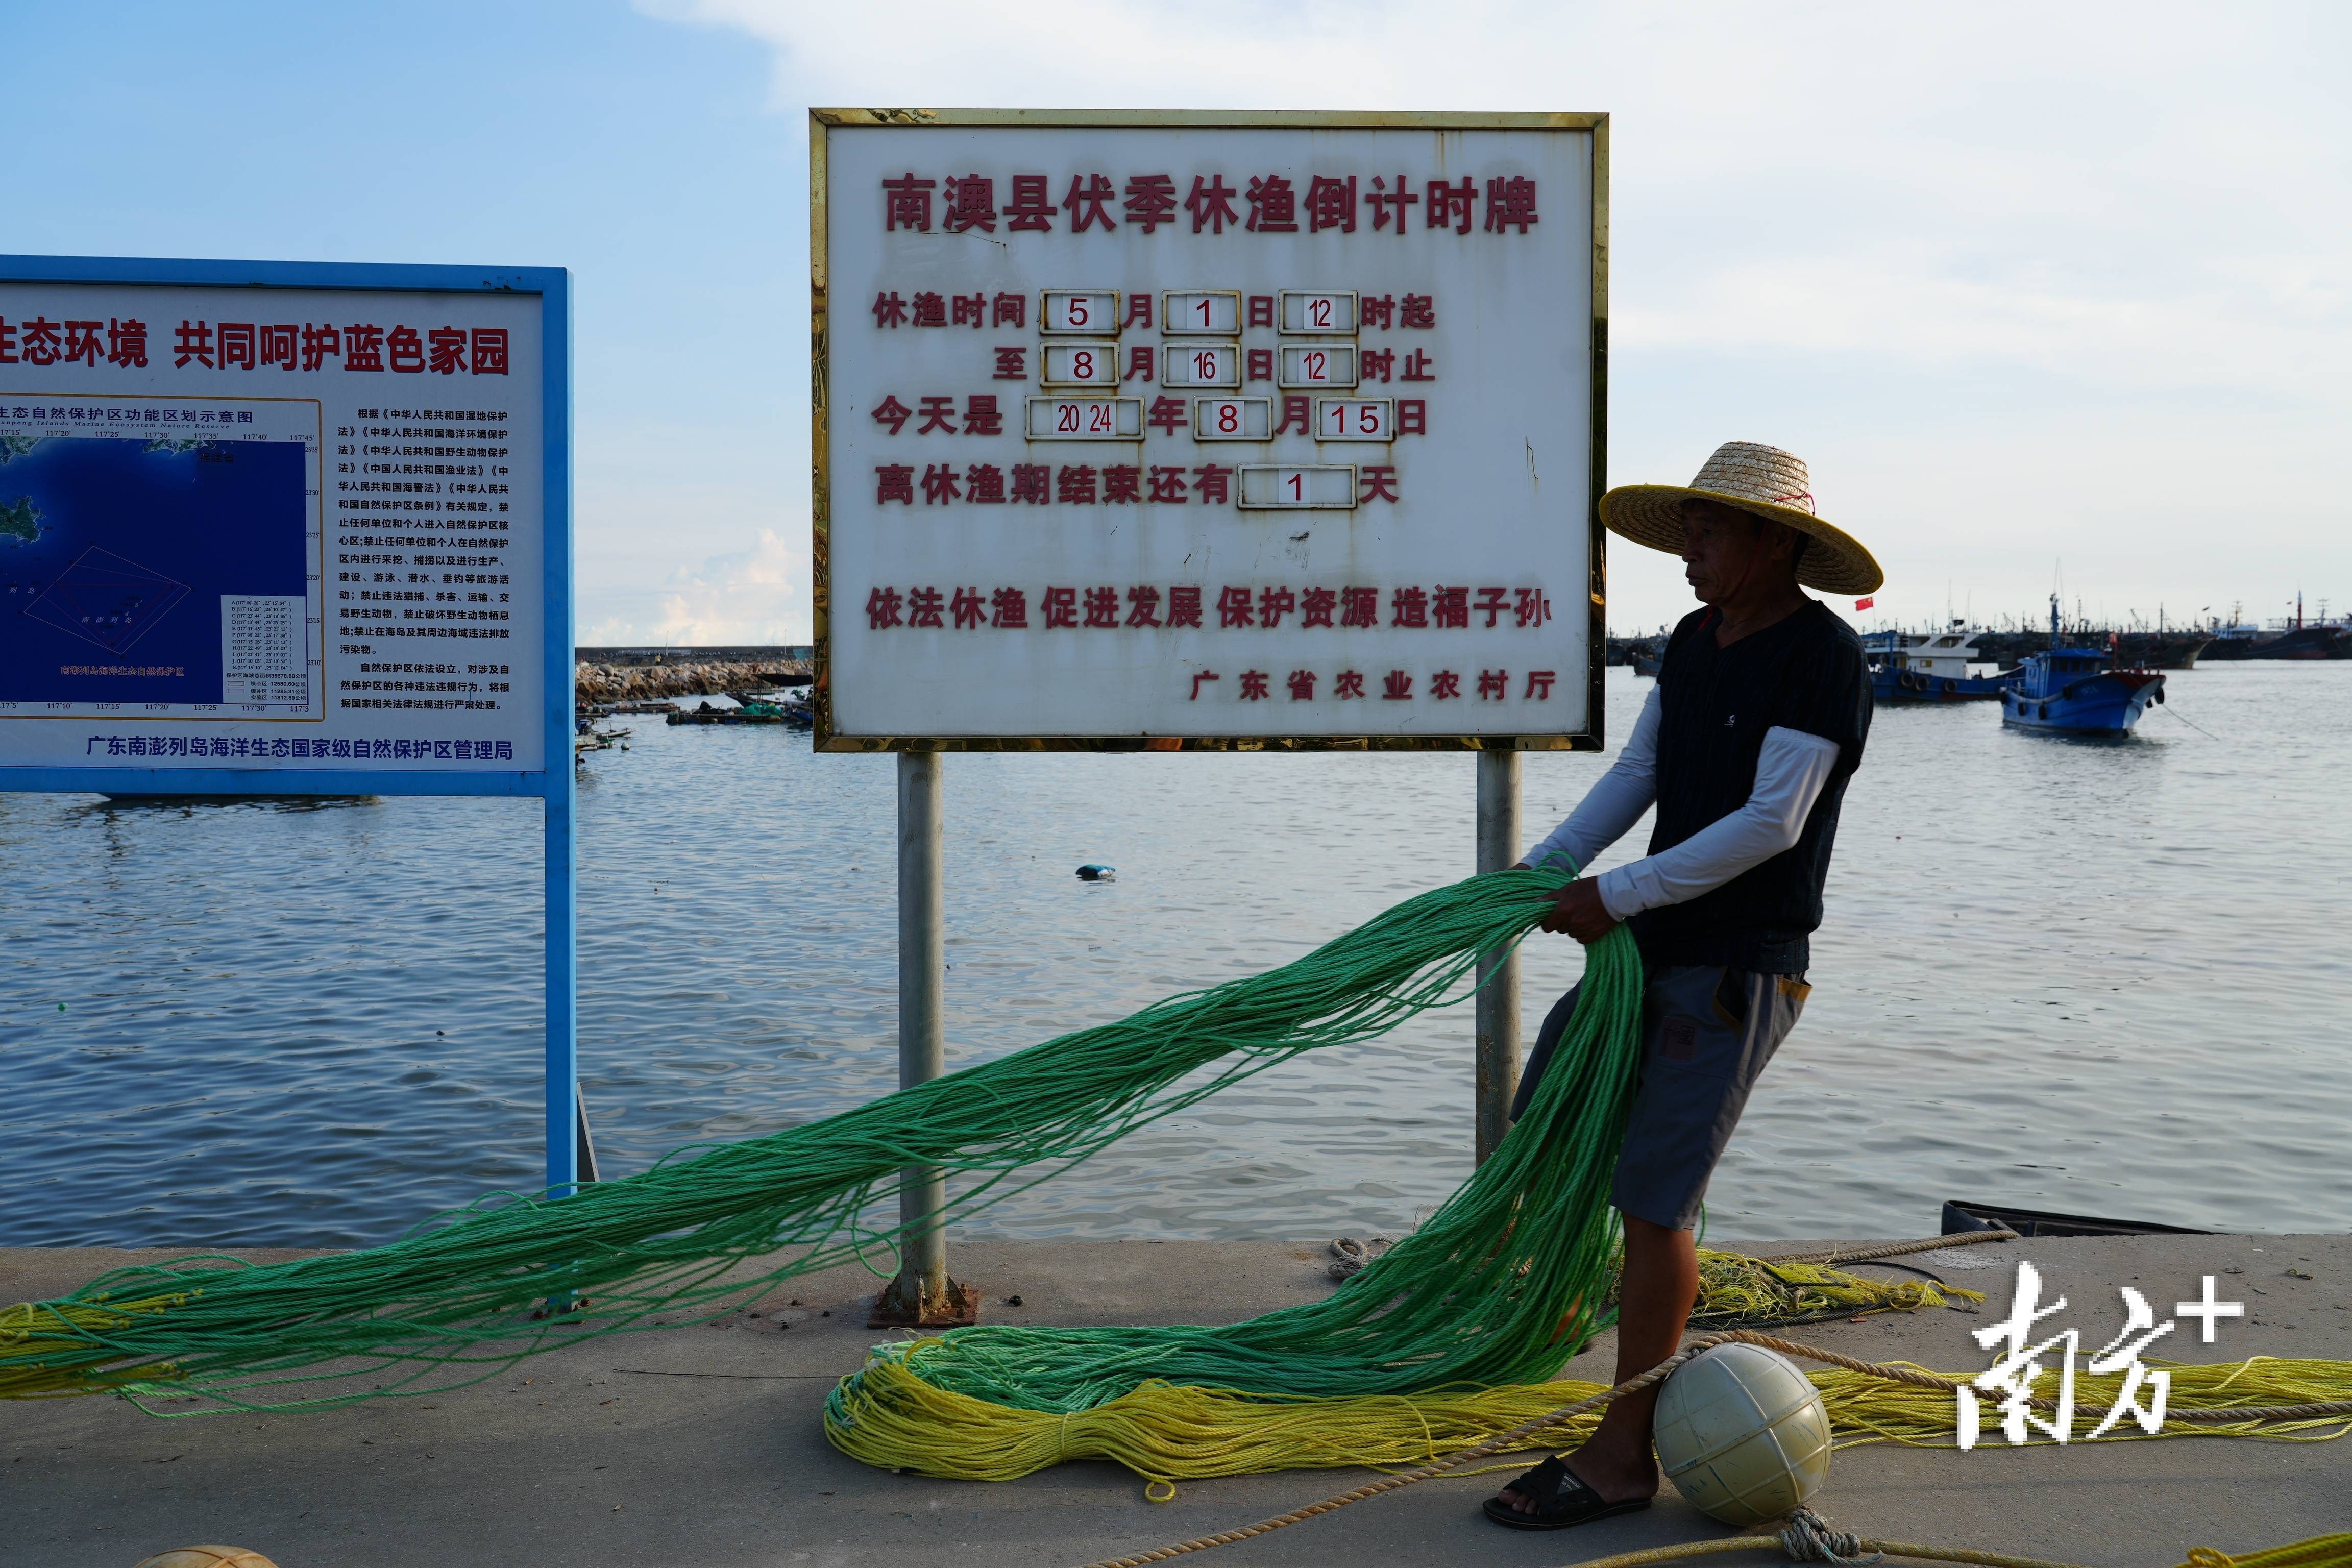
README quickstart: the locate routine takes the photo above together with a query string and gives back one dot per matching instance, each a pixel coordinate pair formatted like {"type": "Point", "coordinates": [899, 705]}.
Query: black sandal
{"type": "Point", "coordinates": [1561, 1501]}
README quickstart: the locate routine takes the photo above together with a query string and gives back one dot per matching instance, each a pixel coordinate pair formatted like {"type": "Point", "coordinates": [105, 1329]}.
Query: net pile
{"type": "Point", "coordinates": [467, 1294]}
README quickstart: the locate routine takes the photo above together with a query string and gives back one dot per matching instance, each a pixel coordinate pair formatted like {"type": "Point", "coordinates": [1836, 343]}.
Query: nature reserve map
{"type": "Point", "coordinates": [156, 566]}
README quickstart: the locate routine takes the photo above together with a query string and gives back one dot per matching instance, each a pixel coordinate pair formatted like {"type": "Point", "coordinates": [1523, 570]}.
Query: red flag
{"type": "Point", "coordinates": [1863, 604]}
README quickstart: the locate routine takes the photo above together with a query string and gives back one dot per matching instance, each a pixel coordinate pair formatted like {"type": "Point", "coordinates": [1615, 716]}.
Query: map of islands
{"type": "Point", "coordinates": [115, 556]}
{"type": "Point", "coordinates": [20, 519]}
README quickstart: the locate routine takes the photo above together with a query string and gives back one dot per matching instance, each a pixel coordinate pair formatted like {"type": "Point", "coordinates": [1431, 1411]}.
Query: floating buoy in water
{"type": "Point", "coordinates": [207, 1557]}
{"type": "Point", "coordinates": [1097, 873]}
{"type": "Point", "coordinates": [1742, 1434]}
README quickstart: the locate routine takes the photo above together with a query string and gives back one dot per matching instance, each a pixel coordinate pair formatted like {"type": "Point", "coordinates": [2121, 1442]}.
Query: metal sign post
{"type": "Point", "coordinates": [921, 1292]}
{"type": "Point", "coordinates": [1221, 431]}
{"type": "Point", "coordinates": [300, 528]}
{"type": "Point", "coordinates": [1499, 846]}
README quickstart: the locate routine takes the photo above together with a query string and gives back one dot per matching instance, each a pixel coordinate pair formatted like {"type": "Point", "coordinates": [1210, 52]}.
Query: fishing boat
{"type": "Point", "coordinates": [2295, 640]}
{"type": "Point", "coordinates": [1929, 667]}
{"type": "Point", "coordinates": [2078, 690]}
{"type": "Point", "coordinates": [1961, 1217]}
{"type": "Point", "coordinates": [2304, 641]}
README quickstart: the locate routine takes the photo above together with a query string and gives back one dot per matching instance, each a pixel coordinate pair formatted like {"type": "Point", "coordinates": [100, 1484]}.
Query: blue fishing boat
{"type": "Point", "coordinates": [1931, 666]}
{"type": "Point", "coordinates": [2078, 691]}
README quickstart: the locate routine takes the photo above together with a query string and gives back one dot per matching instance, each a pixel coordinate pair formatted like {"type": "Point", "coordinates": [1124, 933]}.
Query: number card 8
{"type": "Point", "coordinates": [1089, 310]}
{"type": "Point", "coordinates": [1091, 366]}
{"type": "Point", "coordinates": [1202, 364]}
{"type": "Point", "coordinates": [1232, 419]}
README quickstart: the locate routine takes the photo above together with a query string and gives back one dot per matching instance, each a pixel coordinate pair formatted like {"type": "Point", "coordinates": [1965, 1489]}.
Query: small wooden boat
{"type": "Point", "coordinates": [1961, 1217]}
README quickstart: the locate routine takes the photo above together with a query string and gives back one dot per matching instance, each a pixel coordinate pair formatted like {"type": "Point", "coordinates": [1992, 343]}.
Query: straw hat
{"type": "Point", "coordinates": [1762, 480]}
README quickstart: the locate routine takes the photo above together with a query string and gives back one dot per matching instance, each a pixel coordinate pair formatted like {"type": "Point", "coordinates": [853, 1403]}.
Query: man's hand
{"type": "Point", "coordinates": [1577, 911]}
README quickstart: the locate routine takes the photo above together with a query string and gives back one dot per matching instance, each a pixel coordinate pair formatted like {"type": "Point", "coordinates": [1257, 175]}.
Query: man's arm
{"type": "Point", "coordinates": [1792, 770]}
{"type": "Point", "coordinates": [1614, 803]}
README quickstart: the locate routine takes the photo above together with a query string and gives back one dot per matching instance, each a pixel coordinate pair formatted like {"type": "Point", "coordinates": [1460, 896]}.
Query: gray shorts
{"type": "Point", "coordinates": [1707, 1032]}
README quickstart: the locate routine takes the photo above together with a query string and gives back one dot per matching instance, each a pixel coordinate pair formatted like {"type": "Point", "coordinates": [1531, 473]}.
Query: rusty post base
{"type": "Point", "coordinates": [903, 1304]}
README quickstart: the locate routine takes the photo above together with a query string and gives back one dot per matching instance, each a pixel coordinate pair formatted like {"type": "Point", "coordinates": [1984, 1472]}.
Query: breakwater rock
{"type": "Point", "coordinates": [598, 683]}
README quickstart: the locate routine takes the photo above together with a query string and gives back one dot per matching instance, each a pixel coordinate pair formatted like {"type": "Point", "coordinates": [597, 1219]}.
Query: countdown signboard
{"type": "Point", "coordinates": [1169, 430]}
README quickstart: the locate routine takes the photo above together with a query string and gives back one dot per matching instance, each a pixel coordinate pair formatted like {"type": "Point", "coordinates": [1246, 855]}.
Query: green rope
{"type": "Point", "coordinates": [1477, 1294]}
{"type": "Point", "coordinates": [1503, 1284]}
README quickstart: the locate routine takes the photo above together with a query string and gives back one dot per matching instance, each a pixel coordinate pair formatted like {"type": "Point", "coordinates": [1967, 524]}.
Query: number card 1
{"type": "Point", "coordinates": [1094, 311]}
{"type": "Point", "coordinates": [1214, 313]}
{"type": "Point", "coordinates": [1284, 487]}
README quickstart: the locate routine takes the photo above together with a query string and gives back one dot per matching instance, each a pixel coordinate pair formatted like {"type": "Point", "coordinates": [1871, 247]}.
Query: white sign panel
{"type": "Point", "coordinates": [1184, 430]}
{"type": "Point", "coordinates": [281, 527]}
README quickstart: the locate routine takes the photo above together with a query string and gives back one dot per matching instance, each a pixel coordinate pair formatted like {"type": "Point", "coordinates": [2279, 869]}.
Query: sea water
{"type": "Point", "coordinates": [2097, 977]}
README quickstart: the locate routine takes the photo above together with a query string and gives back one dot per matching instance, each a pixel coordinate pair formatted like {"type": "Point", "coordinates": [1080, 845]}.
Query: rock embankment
{"type": "Point", "coordinates": [649, 682]}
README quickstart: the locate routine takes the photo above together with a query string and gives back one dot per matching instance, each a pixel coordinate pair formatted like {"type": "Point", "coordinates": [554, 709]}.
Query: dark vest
{"type": "Point", "coordinates": [1807, 673]}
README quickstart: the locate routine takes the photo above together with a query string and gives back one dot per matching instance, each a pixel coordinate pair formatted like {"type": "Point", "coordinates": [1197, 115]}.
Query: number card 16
{"type": "Point", "coordinates": [1204, 365]}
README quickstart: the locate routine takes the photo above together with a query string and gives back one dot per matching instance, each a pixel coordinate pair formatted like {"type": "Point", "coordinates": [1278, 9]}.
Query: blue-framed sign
{"type": "Point", "coordinates": [287, 528]}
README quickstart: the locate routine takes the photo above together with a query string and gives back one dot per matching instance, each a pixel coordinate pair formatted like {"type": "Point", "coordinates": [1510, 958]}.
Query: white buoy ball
{"type": "Point", "coordinates": [1742, 1435]}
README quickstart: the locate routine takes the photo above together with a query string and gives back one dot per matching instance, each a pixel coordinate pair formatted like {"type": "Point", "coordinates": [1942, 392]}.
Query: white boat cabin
{"type": "Point", "coordinates": [1932, 654]}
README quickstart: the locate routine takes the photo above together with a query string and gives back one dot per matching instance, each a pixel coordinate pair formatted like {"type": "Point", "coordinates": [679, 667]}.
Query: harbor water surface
{"type": "Point", "coordinates": [2097, 977]}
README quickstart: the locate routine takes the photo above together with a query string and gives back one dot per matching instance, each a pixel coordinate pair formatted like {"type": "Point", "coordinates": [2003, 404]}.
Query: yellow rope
{"type": "Point", "coordinates": [890, 1418]}
{"type": "Point", "coordinates": [1806, 1537]}
{"type": "Point", "coordinates": [2320, 1551]}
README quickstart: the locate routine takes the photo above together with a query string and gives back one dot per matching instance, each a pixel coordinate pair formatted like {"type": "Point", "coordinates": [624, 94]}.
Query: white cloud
{"type": "Point", "coordinates": [752, 596]}
{"type": "Point", "coordinates": [2020, 280]}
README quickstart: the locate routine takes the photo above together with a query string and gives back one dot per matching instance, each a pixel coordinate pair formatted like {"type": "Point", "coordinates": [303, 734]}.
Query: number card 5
{"type": "Point", "coordinates": [1085, 366]}
{"type": "Point", "coordinates": [1094, 311]}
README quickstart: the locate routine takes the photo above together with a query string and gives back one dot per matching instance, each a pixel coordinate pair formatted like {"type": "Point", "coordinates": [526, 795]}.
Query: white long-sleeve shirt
{"type": "Point", "coordinates": [1792, 770]}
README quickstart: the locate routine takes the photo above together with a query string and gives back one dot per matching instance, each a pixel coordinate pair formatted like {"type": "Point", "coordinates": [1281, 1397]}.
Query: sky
{"type": "Point", "coordinates": [2047, 296]}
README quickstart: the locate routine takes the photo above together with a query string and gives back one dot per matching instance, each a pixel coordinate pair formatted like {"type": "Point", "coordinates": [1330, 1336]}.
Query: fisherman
{"type": "Point", "coordinates": [1744, 746]}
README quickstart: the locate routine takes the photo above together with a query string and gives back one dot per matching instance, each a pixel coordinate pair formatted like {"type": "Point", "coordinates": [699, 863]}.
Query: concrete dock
{"type": "Point", "coordinates": [702, 1445]}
